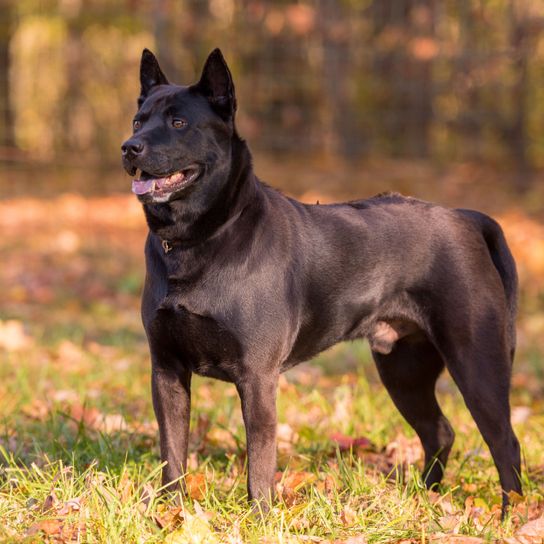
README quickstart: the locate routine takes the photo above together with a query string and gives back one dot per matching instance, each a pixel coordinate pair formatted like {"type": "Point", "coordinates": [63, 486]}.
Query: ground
{"type": "Point", "coordinates": [78, 440]}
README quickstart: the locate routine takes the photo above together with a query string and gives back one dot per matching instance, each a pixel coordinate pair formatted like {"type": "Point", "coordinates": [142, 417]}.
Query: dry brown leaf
{"type": "Point", "coordinates": [196, 486]}
{"type": "Point", "coordinates": [328, 485]}
{"type": "Point", "coordinates": [441, 538]}
{"type": "Point", "coordinates": [94, 419]}
{"type": "Point", "coordinates": [356, 539]}
{"type": "Point", "coordinates": [72, 505]}
{"type": "Point", "coordinates": [49, 502]}
{"type": "Point", "coordinates": [47, 526]}
{"type": "Point", "coordinates": [125, 487]}
{"type": "Point", "coordinates": [146, 498]}
{"type": "Point", "coordinates": [470, 487]}
{"type": "Point", "coordinates": [379, 461]}
{"type": "Point", "coordinates": [530, 533]}
{"type": "Point", "coordinates": [169, 516]}
{"type": "Point", "coordinates": [345, 443]}
{"type": "Point", "coordinates": [404, 450]}
{"type": "Point", "coordinates": [348, 516]}
{"type": "Point", "coordinates": [450, 523]}
{"type": "Point", "coordinates": [290, 483]}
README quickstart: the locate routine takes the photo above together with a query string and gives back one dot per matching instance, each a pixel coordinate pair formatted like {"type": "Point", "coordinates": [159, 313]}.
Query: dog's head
{"type": "Point", "coordinates": [181, 135]}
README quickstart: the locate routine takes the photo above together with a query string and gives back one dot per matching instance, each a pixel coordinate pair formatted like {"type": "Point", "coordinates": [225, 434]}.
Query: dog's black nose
{"type": "Point", "coordinates": [132, 147]}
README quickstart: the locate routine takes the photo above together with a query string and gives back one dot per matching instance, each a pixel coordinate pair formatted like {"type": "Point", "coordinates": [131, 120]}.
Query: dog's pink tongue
{"type": "Point", "coordinates": [142, 187]}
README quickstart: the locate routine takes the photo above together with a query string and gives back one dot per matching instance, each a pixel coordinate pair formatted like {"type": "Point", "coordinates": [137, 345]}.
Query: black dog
{"type": "Point", "coordinates": [243, 283]}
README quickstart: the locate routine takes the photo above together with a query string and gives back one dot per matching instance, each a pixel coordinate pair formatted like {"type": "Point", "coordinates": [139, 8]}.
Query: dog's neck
{"type": "Point", "coordinates": [179, 222]}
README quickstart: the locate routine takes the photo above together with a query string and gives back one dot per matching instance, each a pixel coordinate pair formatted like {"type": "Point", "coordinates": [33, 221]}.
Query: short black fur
{"type": "Point", "coordinates": [243, 283]}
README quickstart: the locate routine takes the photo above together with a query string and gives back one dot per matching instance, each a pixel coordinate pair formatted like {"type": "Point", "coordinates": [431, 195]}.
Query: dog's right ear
{"type": "Point", "coordinates": [150, 75]}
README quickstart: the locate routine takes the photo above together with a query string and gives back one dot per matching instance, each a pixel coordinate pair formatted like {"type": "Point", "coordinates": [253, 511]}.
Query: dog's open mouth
{"type": "Point", "coordinates": [159, 186]}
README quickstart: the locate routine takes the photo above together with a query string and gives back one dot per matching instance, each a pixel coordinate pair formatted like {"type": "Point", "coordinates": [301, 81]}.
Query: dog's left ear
{"type": "Point", "coordinates": [217, 86]}
{"type": "Point", "coordinates": [150, 75]}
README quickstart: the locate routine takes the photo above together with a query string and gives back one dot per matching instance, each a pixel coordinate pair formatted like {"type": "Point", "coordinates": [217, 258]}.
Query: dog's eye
{"type": "Point", "coordinates": [179, 123]}
{"type": "Point", "coordinates": [136, 125]}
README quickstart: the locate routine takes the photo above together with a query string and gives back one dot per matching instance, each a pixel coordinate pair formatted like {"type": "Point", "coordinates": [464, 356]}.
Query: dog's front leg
{"type": "Point", "coordinates": [258, 396]}
{"type": "Point", "coordinates": [172, 404]}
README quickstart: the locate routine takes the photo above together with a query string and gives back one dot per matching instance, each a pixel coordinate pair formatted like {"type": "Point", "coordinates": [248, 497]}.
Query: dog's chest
{"type": "Point", "coordinates": [199, 342]}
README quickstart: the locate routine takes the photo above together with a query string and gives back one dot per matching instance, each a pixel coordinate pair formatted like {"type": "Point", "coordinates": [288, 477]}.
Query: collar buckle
{"type": "Point", "coordinates": [166, 246]}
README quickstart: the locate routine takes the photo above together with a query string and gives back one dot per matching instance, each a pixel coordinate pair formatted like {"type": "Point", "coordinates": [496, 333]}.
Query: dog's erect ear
{"type": "Point", "coordinates": [150, 74]}
{"type": "Point", "coordinates": [217, 86]}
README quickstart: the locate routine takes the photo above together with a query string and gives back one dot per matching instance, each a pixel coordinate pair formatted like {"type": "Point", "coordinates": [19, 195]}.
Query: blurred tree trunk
{"type": "Point", "coordinates": [516, 131]}
{"type": "Point", "coordinates": [163, 31]}
{"type": "Point", "coordinates": [73, 87]}
{"type": "Point", "coordinates": [405, 48]}
{"type": "Point", "coordinates": [6, 119]}
{"type": "Point", "coordinates": [469, 120]}
{"type": "Point", "coordinates": [181, 43]}
{"type": "Point", "coordinates": [345, 137]}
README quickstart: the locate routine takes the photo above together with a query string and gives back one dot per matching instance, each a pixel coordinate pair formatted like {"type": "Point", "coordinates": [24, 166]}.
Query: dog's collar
{"type": "Point", "coordinates": [168, 245]}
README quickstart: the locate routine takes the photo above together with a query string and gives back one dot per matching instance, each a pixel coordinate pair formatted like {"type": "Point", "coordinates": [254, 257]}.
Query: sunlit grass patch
{"type": "Point", "coordinates": [79, 461]}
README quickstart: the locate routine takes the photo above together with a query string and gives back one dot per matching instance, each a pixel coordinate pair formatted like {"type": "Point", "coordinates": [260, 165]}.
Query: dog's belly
{"type": "Point", "coordinates": [197, 342]}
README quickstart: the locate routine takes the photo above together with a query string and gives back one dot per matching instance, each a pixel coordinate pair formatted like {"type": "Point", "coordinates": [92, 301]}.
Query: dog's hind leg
{"type": "Point", "coordinates": [481, 369]}
{"type": "Point", "coordinates": [409, 373]}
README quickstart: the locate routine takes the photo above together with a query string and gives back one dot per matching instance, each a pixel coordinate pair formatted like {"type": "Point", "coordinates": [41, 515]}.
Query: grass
{"type": "Point", "coordinates": [51, 447]}
{"type": "Point", "coordinates": [78, 439]}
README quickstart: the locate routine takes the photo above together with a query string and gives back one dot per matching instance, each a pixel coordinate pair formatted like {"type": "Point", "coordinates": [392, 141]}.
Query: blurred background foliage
{"type": "Point", "coordinates": [338, 99]}
{"type": "Point", "coordinates": [452, 80]}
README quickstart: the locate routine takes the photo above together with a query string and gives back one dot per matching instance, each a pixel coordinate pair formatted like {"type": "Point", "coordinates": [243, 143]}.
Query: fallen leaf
{"type": "Point", "coordinates": [49, 502]}
{"type": "Point", "coordinates": [147, 495]}
{"type": "Point", "coordinates": [196, 486]}
{"type": "Point", "coordinates": [404, 450]}
{"type": "Point", "coordinates": [328, 485]}
{"type": "Point", "coordinates": [470, 487]}
{"type": "Point", "coordinates": [530, 533]}
{"type": "Point", "coordinates": [169, 516]}
{"type": "Point", "coordinates": [47, 526]}
{"type": "Point", "coordinates": [290, 483]}
{"type": "Point", "coordinates": [348, 516]}
{"type": "Point", "coordinates": [356, 539]}
{"type": "Point", "coordinates": [441, 538]}
{"type": "Point", "coordinates": [450, 522]}
{"type": "Point", "coordinates": [72, 505]}
{"type": "Point", "coordinates": [345, 443]}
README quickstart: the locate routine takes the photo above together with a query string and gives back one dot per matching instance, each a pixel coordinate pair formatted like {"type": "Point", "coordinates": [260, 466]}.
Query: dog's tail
{"type": "Point", "coordinates": [504, 263]}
